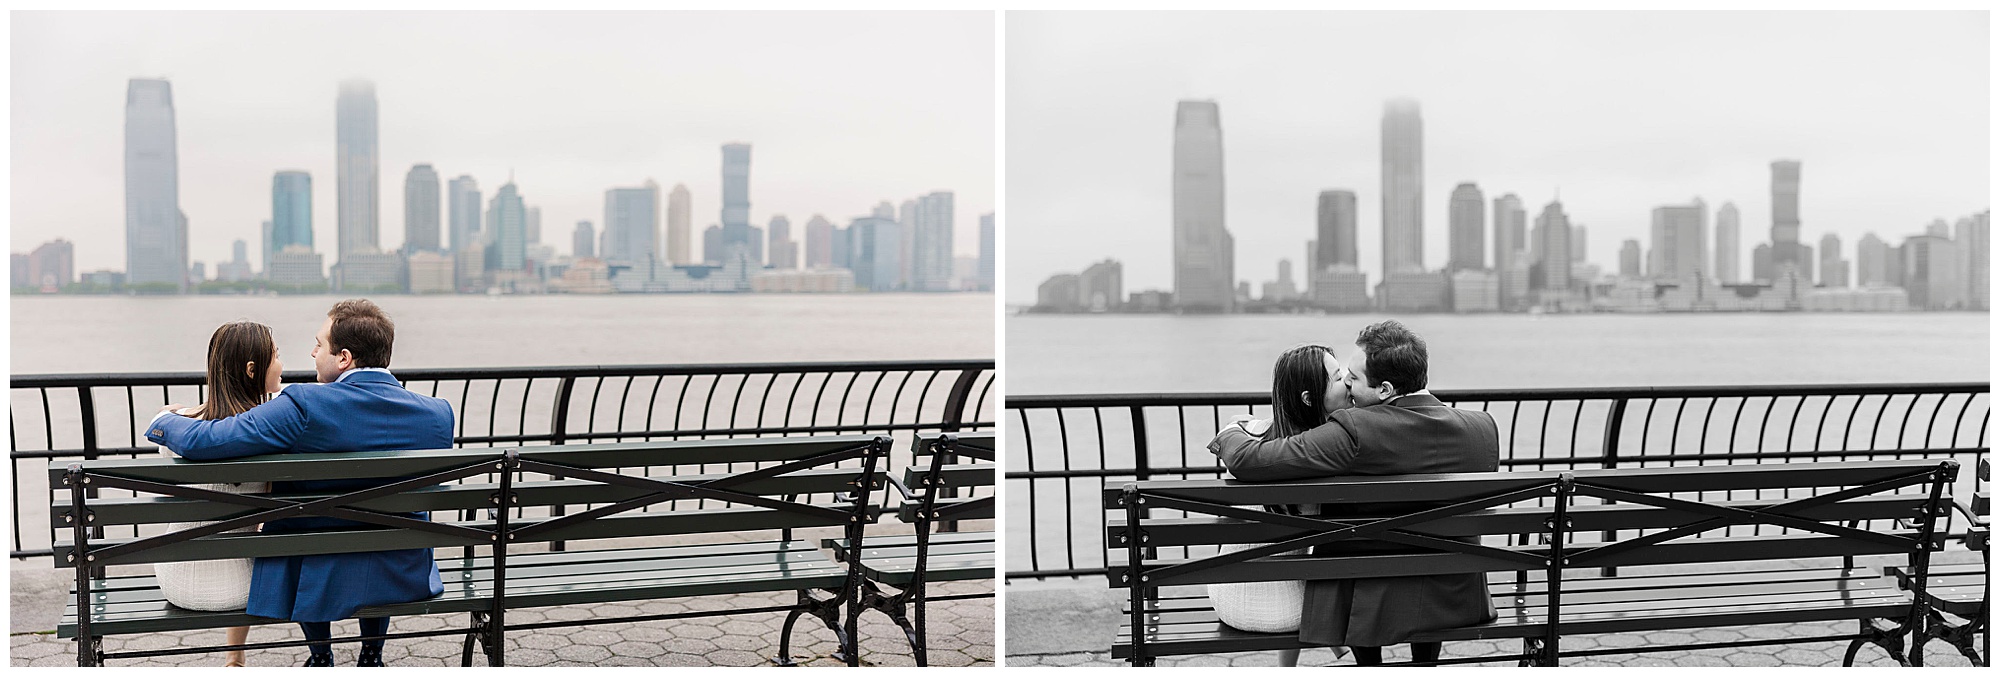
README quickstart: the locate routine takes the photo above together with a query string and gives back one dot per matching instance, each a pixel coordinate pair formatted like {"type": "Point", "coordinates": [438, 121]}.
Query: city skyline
{"type": "Point", "coordinates": [665, 107]}
{"type": "Point", "coordinates": [1505, 105]}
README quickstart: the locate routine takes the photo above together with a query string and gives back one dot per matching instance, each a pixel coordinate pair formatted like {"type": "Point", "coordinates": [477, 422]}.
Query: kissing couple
{"type": "Point", "coordinates": [1372, 415]}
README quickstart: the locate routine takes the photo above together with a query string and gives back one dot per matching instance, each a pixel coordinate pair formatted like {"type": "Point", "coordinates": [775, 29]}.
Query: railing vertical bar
{"type": "Point", "coordinates": [1028, 452]}
{"type": "Point", "coordinates": [653, 402]}
{"type": "Point", "coordinates": [1068, 487]}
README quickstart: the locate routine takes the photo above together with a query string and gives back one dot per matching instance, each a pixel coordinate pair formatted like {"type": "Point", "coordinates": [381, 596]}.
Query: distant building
{"type": "Point", "coordinates": [291, 213]}
{"type": "Point", "coordinates": [1728, 244]}
{"type": "Point", "coordinates": [1832, 268]}
{"type": "Point", "coordinates": [465, 201]}
{"type": "Point", "coordinates": [1510, 233]}
{"type": "Point", "coordinates": [431, 273]}
{"type": "Point", "coordinates": [52, 266]}
{"type": "Point", "coordinates": [237, 268]}
{"type": "Point", "coordinates": [1101, 287]}
{"type": "Point", "coordinates": [586, 275]}
{"type": "Point", "coordinates": [1761, 271]}
{"type": "Point", "coordinates": [197, 273]}
{"type": "Point", "coordinates": [1864, 300]}
{"type": "Point", "coordinates": [1975, 240]}
{"type": "Point", "coordinates": [1468, 228]}
{"type": "Point", "coordinates": [815, 281]}
{"type": "Point", "coordinates": [1341, 288]}
{"type": "Point", "coordinates": [1628, 260]}
{"type": "Point", "coordinates": [632, 221]}
{"type": "Point", "coordinates": [155, 227]}
{"type": "Point", "coordinates": [1579, 242]}
{"type": "Point", "coordinates": [1552, 271]}
{"type": "Point", "coordinates": [19, 273]}
{"type": "Point", "coordinates": [583, 241]}
{"type": "Point", "coordinates": [469, 266]}
{"type": "Point", "coordinates": [1414, 292]}
{"type": "Point", "coordinates": [1679, 242]}
{"type": "Point", "coordinates": [819, 243]}
{"type": "Point", "coordinates": [985, 275]}
{"type": "Point", "coordinates": [736, 228]}
{"type": "Point", "coordinates": [874, 250]}
{"type": "Point", "coordinates": [1931, 273]}
{"type": "Point", "coordinates": [679, 223]}
{"type": "Point", "coordinates": [1338, 227]}
{"type": "Point", "coordinates": [297, 268]}
{"type": "Point", "coordinates": [1283, 289]}
{"type": "Point", "coordinates": [369, 271]}
{"type": "Point", "coordinates": [510, 231]}
{"type": "Point", "coordinates": [1871, 262]}
{"type": "Point", "coordinates": [358, 164]}
{"type": "Point", "coordinates": [1475, 291]}
{"type": "Point", "coordinates": [1786, 248]}
{"type": "Point", "coordinates": [711, 245]}
{"type": "Point", "coordinates": [534, 228]}
{"type": "Point", "coordinates": [784, 252]}
{"type": "Point", "coordinates": [1516, 288]}
{"type": "Point", "coordinates": [931, 242]}
{"type": "Point", "coordinates": [1204, 251]}
{"type": "Point", "coordinates": [1061, 293]}
{"type": "Point", "coordinates": [422, 211]}
{"type": "Point", "coordinates": [1402, 190]}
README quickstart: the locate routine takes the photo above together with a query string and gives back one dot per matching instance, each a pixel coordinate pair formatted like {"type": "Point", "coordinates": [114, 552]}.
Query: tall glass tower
{"type": "Point", "coordinates": [1204, 253]}
{"type": "Point", "coordinates": [421, 208]}
{"type": "Point", "coordinates": [155, 229]}
{"type": "Point", "coordinates": [358, 162]}
{"type": "Point", "coordinates": [1402, 187]}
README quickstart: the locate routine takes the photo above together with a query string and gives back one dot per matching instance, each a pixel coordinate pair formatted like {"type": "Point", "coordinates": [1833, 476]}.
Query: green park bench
{"type": "Point", "coordinates": [1669, 521]}
{"type": "Point", "coordinates": [936, 492]}
{"type": "Point", "coordinates": [797, 483]}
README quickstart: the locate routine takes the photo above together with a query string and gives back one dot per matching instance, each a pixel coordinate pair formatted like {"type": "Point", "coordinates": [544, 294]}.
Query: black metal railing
{"type": "Point", "coordinates": [1063, 450]}
{"type": "Point", "coordinates": [90, 416]}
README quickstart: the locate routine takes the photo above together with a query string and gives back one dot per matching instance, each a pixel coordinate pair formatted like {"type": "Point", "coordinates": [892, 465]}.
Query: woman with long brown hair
{"type": "Point", "coordinates": [243, 371]}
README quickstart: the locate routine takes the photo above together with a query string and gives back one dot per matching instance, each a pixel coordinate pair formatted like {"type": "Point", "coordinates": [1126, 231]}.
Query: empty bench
{"type": "Point", "coordinates": [1586, 519]}
{"type": "Point", "coordinates": [796, 483]}
{"type": "Point", "coordinates": [936, 490]}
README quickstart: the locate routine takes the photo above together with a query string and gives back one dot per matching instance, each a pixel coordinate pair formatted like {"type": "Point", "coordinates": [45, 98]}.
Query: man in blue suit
{"type": "Point", "coordinates": [356, 406]}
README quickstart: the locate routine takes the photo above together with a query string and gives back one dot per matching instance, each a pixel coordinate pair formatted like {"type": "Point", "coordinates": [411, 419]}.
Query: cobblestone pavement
{"type": "Point", "coordinates": [1812, 654]}
{"type": "Point", "coordinates": [961, 634]}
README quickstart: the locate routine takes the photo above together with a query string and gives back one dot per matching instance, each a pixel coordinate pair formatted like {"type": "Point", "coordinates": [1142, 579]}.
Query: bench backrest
{"type": "Point", "coordinates": [1615, 517]}
{"type": "Point", "coordinates": [947, 470]}
{"type": "Point", "coordinates": [798, 482]}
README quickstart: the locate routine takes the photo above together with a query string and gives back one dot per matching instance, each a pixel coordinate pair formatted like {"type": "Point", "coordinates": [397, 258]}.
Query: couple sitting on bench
{"type": "Point", "coordinates": [356, 406]}
{"type": "Point", "coordinates": [1373, 417]}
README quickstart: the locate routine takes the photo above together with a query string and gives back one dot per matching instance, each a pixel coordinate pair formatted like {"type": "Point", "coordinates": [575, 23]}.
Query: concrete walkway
{"type": "Point", "coordinates": [961, 634]}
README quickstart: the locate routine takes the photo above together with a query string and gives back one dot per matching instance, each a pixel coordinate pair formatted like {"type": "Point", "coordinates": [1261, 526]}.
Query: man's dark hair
{"type": "Point", "coordinates": [1396, 355]}
{"type": "Point", "coordinates": [360, 327]}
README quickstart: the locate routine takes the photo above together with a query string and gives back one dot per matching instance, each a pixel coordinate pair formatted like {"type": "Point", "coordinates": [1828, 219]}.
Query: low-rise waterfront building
{"type": "Point", "coordinates": [432, 272]}
{"type": "Point", "coordinates": [1475, 291]}
{"type": "Point", "coordinates": [1415, 292]}
{"type": "Point", "coordinates": [1340, 288]}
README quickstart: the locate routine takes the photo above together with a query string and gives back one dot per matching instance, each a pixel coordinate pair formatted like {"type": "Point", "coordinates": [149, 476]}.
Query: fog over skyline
{"type": "Point", "coordinates": [842, 109]}
{"type": "Point", "coordinates": [1620, 112]}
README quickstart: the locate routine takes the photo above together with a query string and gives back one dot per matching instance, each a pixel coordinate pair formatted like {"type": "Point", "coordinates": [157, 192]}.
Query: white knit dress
{"type": "Point", "coordinates": [208, 585]}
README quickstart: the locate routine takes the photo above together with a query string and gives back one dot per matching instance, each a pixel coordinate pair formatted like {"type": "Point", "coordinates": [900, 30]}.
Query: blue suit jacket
{"type": "Point", "coordinates": [366, 411]}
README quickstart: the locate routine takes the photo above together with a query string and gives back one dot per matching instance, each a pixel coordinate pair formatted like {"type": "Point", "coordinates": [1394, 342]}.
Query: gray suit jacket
{"type": "Point", "coordinates": [1413, 435]}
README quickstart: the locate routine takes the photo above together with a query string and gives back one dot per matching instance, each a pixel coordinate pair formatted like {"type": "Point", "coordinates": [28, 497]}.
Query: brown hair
{"type": "Point", "coordinates": [232, 391]}
{"type": "Point", "coordinates": [361, 328]}
{"type": "Point", "coordinates": [1396, 355]}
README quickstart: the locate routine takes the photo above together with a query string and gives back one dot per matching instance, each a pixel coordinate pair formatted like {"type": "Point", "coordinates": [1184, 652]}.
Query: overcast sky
{"type": "Point", "coordinates": [843, 109]}
{"type": "Point", "coordinates": [1620, 112]}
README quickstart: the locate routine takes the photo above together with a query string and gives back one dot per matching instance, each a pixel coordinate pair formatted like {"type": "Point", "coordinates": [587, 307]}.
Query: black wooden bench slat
{"type": "Point", "coordinates": [1463, 486]}
{"type": "Point", "coordinates": [1687, 551]}
{"type": "Point", "coordinates": [163, 509]}
{"type": "Point", "coordinates": [615, 526]}
{"type": "Point", "coordinates": [1165, 532]}
{"type": "Point", "coordinates": [1958, 589]}
{"type": "Point", "coordinates": [907, 512]}
{"type": "Point", "coordinates": [958, 475]}
{"type": "Point", "coordinates": [372, 464]}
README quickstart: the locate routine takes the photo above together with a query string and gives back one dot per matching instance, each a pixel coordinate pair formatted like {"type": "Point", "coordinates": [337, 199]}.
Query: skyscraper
{"type": "Point", "coordinates": [1974, 236]}
{"type": "Point", "coordinates": [784, 252]}
{"type": "Point", "coordinates": [1579, 242]}
{"type": "Point", "coordinates": [1510, 231]}
{"type": "Point", "coordinates": [1628, 260]}
{"type": "Point", "coordinates": [421, 210]}
{"type": "Point", "coordinates": [1336, 244]}
{"type": "Point", "coordinates": [1679, 243]}
{"type": "Point", "coordinates": [1832, 268]}
{"type": "Point", "coordinates": [736, 228]}
{"type": "Point", "coordinates": [1204, 252]}
{"type": "Point", "coordinates": [1552, 228]}
{"type": "Point", "coordinates": [510, 229]}
{"type": "Point", "coordinates": [1468, 228]}
{"type": "Point", "coordinates": [534, 225]}
{"type": "Point", "coordinates": [1871, 262]}
{"type": "Point", "coordinates": [819, 242]}
{"type": "Point", "coordinates": [873, 253]}
{"type": "Point", "coordinates": [291, 211]}
{"type": "Point", "coordinates": [632, 221]}
{"type": "Point", "coordinates": [1931, 273]}
{"type": "Point", "coordinates": [1785, 245]}
{"type": "Point", "coordinates": [583, 242]}
{"type": "Point", "coordinates": [986, 251]}
{"type": "Point", "coordinates": [678, 214]}
{"type": "Point", "coordinates": [155, 228]}
{"type": "Point", "coordinates": [1402, 187]}
{"type": "Point", "coordinates": [358, 161]}
{"type": "Point", "coordinates": [465, 201]}
{"type": "Point", "coordinates": [1728, 244]}
{"type": "Point", "coordinates": [932, 242]}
